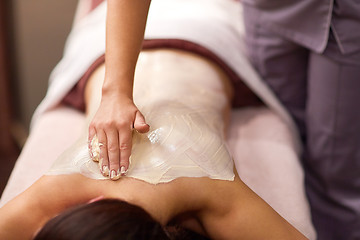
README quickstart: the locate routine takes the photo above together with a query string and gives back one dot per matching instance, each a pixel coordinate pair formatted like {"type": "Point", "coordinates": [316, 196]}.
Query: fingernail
{"type": "Point", "coordinates": [95, 155]}
{"type": "Point", "coordinates": [114, 175]}
{"type": "Point", "coordinates": [122, 170]}
{"type": "Point", "coordinates": [105, 170]}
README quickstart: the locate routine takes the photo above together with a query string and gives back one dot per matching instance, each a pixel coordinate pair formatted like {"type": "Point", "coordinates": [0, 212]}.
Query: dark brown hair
{"type": "Point", "coordinates": [108, 219]}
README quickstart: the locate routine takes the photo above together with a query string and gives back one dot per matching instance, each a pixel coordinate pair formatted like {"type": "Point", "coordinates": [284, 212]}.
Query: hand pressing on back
{"type": "Point", "coordinates": [110, 134]}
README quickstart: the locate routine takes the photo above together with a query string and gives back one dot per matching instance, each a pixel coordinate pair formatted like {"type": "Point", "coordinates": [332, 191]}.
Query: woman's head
{"type": "Point", "coordinates": [107, 219]}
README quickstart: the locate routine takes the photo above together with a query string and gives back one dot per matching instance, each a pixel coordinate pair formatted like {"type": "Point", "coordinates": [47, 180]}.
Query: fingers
{"type": "Point", "coordinates": [140, 123]}
{"type": "Point", "coordinates": [125, 151]}
{"type": "Point", "coordinates": [104, 159]}
{"type": "Point", "coordinates": [110, 141]}
{"type": "Point", "coordinates": [112, 149]}
{"type": "Point", "coordinates": [113, 153]}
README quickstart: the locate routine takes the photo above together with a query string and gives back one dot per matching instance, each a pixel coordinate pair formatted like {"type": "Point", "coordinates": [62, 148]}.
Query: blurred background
{"type": "Point", "coordinates": [32, 38]}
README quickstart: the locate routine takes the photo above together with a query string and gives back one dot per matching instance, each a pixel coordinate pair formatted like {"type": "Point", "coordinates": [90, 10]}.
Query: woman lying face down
{"type": "Point", "coordinates": [189, 186]}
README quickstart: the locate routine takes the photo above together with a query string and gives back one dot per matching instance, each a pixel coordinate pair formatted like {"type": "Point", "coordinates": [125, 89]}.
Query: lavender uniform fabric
{"type": "Point", "coordinates": [308, 52]}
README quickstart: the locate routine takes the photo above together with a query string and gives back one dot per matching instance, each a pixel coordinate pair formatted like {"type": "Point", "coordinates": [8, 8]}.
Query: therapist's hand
{"type": "Point", "coordinates": [113, 124]}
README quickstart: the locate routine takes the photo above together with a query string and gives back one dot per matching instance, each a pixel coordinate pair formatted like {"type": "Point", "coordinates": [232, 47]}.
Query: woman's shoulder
{"type": "Point", "coordinates": [41, 201]}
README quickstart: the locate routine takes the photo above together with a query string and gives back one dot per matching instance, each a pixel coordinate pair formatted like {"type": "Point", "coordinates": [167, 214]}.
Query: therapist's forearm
{"type": "Point", "coordinates": [125, 26]}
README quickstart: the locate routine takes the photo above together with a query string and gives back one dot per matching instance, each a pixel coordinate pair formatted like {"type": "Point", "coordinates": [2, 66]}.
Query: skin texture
{"type": "Point", "coordinates": [117, 114]}
{"type": "Point", "coordinates": [216, 208]}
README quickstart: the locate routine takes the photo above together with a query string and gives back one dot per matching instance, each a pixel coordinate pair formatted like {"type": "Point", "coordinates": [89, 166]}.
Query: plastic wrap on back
{"type": "Point", "coordinates": [182, 142]}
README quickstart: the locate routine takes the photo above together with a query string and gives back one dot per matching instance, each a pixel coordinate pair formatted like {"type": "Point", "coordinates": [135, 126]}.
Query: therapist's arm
{"type": "Point", "coordinates": [117, 114]}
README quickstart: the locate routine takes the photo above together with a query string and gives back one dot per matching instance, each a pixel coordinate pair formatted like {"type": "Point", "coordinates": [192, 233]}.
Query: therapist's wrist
{"type": "Point", "coordinates": [117, 92]}
{"type": "Point", "coordinates": [123, 87]}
